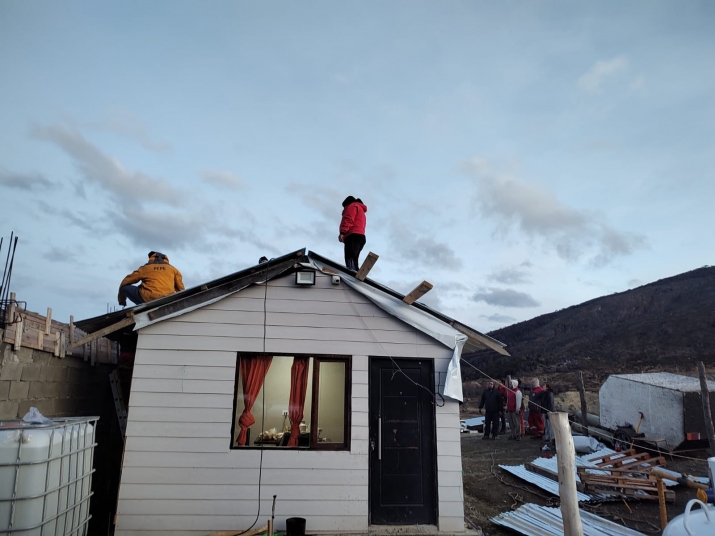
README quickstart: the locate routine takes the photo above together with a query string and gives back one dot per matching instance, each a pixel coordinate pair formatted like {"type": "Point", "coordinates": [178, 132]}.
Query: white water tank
{"type": "Point", "coordinates": [46, 476]}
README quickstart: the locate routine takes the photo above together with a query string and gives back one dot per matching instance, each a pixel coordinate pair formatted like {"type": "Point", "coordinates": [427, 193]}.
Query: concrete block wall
{"type": "Point", "coordinates": [68, 387]}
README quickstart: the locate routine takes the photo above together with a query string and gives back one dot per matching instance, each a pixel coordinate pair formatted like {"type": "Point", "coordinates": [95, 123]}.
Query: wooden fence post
{"type": "Point", "coordinates": [566, 461]}
{"type": "Point", "coordinates": [584, 409]}
{"type": "Point", "coordinates": [707, 415]}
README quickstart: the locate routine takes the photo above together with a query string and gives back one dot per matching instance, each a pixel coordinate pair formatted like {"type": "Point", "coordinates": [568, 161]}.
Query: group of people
{"type": "Point", "coordinates": [158, 278]}
{"type": "Point", "coordinates": [500, 401]}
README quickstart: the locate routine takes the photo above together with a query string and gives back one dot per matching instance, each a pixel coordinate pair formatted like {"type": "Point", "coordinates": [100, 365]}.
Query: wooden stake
{"type": "Point", "coordinates": [48, 321]}
{"type": "Point", "coordinates": [566, 461]}
{"type": "Point", "coordinates": [661, 503]}
{"type": "Point", "coordinates": [419, 291]}
{"type": "Point", "coordinates": [367, 265]}
{"type": "Point", "coordinates": [584, 409]}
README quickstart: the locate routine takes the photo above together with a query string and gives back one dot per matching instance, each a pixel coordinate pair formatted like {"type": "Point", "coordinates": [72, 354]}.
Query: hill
{"type": "Point", "coordinates": [668, 325]}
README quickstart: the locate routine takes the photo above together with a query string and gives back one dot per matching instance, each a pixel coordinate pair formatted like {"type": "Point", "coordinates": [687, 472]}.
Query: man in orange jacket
{"type": "Point", "coordinates": [158, 278]}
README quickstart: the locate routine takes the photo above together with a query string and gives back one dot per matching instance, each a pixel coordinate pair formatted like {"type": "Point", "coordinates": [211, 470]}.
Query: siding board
{"type": "Point", "coordinates": [235, 492]}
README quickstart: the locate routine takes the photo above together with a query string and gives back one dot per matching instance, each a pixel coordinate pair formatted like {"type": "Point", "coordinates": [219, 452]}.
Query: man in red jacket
{"type": "Point", "coordinates": [352, 230]}
{"type": "Point", "coordinates": [536, 419]}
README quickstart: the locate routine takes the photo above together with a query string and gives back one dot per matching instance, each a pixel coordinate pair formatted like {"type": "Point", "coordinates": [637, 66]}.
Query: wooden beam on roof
{"type": "Point", "coordinates": [102, 332]}
{"type": "Point", "coordinates": [481, 339]}
{"type": "Point", "coordinates": [259, 276]}
{"type": "Point", "coordinates": [419, 291]}
{"type": "Point", "coordinates": [367, 265]}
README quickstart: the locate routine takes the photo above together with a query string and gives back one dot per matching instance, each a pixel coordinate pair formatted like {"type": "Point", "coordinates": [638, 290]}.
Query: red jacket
{"type": "Point", "coordinates": [354, 220]}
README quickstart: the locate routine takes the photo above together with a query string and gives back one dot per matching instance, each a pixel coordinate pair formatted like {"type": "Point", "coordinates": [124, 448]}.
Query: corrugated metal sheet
{"type": "Point", "coordinates": [552, 486]}
{"type": "Point", "coordinates": [535, 520]}
{"type": "Point", "coordinates": [541, 481]}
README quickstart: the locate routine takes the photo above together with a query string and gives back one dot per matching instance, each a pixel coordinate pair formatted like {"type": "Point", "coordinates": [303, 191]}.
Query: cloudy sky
{"type": "Point", "coordinates": [521, 156]}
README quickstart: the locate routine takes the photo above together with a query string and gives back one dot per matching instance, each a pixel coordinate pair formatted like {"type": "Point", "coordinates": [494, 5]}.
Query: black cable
{"type": "Point", "coordinates": [263, 410]}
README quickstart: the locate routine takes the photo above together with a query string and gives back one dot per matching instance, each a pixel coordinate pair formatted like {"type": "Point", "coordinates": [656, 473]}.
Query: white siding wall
{"type": "Point", "coordinates": [179, 475]}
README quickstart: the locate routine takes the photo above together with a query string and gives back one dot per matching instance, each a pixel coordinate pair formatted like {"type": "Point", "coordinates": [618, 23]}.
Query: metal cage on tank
{"type": "Point", "coordinates": [46, 476]}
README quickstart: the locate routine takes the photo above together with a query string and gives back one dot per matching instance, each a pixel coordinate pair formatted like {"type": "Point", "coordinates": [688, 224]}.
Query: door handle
{"type": "Point", "coordinates": [379, 438]}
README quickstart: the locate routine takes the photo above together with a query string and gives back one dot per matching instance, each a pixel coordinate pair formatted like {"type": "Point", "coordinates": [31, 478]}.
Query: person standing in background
{"type": "Point", "coordinates": [352, 230]}
{"type": "Point", "coordinates": [513, 410]}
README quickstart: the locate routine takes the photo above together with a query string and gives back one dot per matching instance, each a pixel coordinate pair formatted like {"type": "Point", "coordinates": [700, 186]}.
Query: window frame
{"type": "Point", "coordinates": [315, 401]}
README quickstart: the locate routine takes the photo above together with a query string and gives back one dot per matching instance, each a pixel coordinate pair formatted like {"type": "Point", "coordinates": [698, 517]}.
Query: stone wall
{"type": "Point", "coordinates": [67, 387]}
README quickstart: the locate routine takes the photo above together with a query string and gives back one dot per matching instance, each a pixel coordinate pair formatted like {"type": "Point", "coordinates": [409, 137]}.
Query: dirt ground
{"type": "Point", "coordinates": [490, 491]}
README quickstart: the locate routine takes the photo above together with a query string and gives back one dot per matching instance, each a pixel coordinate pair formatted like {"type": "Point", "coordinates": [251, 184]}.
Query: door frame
{"type": "Point", "coordinates": [426, 404]}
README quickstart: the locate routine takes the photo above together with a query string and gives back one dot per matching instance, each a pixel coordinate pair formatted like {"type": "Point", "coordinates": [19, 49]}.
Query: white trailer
{"type": "Point", "coordinates": [670, 403]}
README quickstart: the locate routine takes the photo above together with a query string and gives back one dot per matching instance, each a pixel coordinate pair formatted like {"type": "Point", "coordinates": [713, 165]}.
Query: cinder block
{"type": "Point", "coordinates": [8, 409]}
{"type": "Point", "coordinates": [31, 372]}
{"type": "Point", "coordinates": [19, 390]}
{"type": "Point", "coordinates": [4, 390]}
{"type": "Point", "coordinates": [46, 407]}
{"type": "Point", "coordinates": [37, 390]}
{"type": "Point", "coordinates": [11, 371]}
{"type": "Point", "coordinates": [55, 390]}
{"type": "Point", "coordinates": [53, 374]}
{"type": "Point", "coordinates": [41, 358]}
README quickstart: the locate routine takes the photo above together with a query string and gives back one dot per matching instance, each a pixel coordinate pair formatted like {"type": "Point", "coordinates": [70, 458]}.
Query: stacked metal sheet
{"type": "Point", "coordinates": [535, 520]}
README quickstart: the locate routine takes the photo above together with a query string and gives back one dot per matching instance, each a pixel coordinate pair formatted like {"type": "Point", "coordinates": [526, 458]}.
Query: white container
{"type": "Point", "coordinates": [692, 523]}
{"type": "Point", "coordinates": [46, 477]}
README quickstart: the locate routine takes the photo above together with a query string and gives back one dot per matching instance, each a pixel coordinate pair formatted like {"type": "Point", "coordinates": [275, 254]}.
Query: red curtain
{"type": "Point", "coordinates": [253, 372]}
{"type": "Point", "coordinates": [296, 402]}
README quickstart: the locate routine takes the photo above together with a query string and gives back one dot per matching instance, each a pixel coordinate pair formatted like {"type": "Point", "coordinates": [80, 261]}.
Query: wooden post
{"type": "Point", "coordinates": [566, 461]}
{"type": "Point", "coordinates": [705, 395]}
{"type": "Point", "coordinates": [661, 503]}
{"type": "Point", "coordinates": [584, 409]}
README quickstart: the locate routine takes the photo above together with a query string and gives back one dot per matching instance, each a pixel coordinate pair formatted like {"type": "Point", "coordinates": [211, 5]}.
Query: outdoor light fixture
{"type": "Point", "coordinates": [305, 278]}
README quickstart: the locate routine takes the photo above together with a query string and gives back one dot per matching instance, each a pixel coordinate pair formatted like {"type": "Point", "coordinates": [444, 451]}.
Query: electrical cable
{"type": "Point", "coordinates": [263, 409]}
{"type": "Point", "coordinates": [596, 431]}
{"type": "Point", "coordinates": [433, 393]}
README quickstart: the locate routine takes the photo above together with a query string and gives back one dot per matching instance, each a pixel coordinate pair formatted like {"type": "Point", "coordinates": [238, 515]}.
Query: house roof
{"type": "Point", "coordinates": [191, 298]}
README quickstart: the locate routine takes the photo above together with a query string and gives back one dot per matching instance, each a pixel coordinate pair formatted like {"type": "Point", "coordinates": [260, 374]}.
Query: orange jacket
{"type": "Point", "coordinates": [158, 277]}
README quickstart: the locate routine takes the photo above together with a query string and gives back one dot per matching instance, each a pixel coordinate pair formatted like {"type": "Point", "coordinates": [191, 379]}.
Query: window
{"type": "Point", "coordinates": [291, 401]}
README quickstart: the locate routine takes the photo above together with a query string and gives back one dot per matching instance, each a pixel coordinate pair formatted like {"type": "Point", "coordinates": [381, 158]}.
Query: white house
{"type": "Point", "coordinates": [328, 396]}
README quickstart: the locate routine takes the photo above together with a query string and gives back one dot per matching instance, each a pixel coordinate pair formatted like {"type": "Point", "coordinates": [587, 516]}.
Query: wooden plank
{"type": "Point", "coordinates": [104, 331]}
{"type": "Point", "coordinates": [367, 265]}
{"type": "Point", "coordinates": [18, 335]}
{"type": "Point", "coordinates": [542, 471]}
{"type": "Point", "coordinates": [419, 291]}
{"type": "Point", "coordinates": [48, 321]}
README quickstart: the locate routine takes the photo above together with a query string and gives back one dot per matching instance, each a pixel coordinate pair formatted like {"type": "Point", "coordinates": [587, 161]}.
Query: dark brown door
{"type": "Point", "coordinates": [403, 469]}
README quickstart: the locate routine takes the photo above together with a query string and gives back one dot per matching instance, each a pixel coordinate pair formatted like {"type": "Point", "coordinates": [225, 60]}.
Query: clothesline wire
{"type": "Point", "coordinates": [593, 430]}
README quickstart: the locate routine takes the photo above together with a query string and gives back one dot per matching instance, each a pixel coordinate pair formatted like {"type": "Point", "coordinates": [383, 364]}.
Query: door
{"type": "Point", "coordinates": [403, 469]}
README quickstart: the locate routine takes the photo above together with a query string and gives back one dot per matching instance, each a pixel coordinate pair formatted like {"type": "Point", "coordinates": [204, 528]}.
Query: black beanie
{"type": "Point", "coordinates": [348, 200]}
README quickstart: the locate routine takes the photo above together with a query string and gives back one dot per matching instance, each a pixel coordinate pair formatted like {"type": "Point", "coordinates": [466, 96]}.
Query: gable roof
{"type": "Point", "coordinates": [192, 298]}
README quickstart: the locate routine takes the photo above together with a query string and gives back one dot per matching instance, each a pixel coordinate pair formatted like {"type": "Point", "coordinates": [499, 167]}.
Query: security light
{"type": "Point", "coordinates": [305, 278]}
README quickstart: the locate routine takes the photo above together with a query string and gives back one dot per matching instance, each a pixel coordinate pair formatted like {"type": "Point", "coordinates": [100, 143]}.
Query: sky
{"type": "Point", "coordinates": [522, 157]}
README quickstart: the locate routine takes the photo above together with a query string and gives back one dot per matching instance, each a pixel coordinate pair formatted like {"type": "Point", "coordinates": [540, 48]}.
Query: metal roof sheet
{"type": "Point", "coordinates": [534, 520]}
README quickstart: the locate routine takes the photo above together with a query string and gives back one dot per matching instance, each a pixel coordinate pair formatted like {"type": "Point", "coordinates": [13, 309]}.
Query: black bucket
{"type": "Point", "coordinates": [295, 526]}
